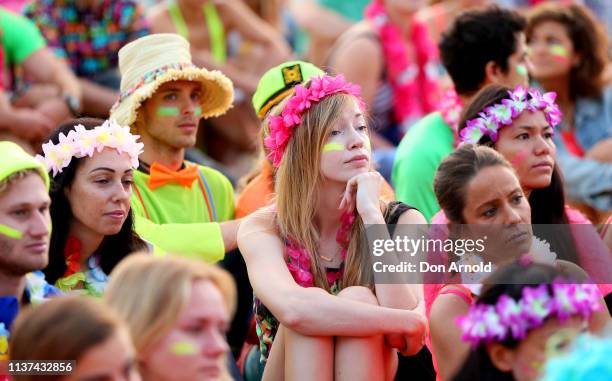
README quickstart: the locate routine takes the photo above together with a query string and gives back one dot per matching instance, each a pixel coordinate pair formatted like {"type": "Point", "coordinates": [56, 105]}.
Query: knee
{"type": "Point", "coordinates": [359, 294]}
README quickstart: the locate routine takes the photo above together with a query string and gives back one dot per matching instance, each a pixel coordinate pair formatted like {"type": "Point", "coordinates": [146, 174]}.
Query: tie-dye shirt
{"type": "Point", "coordinates": [88, 39]}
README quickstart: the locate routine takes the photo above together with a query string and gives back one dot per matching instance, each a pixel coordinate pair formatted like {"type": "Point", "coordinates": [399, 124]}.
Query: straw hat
{"type": "Point", "coordinates": [277, 83]}
{"type": "Point", "coordinates": [149, 62]}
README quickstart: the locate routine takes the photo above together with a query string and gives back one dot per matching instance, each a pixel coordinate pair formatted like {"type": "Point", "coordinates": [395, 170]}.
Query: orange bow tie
{"type": "Point", "coordinates": [162, 175]}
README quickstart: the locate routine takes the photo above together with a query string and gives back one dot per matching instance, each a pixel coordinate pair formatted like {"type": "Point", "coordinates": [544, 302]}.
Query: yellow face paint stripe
{"type": "Point", "coordinates": [558, 50]}
{"type": "Point", "coordinates": [10, 232]}
{"type": "Point", "coordinates": [183, 348]}
{"type": "Point", "coordinates": [329, 147]}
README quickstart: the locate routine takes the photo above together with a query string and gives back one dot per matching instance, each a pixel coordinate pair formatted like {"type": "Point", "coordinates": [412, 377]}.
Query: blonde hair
{"type": "Point", "coordinates": [64, 328]}
{"type": "Point", "coordinates": [297, 183]}
{"type": "Point", "coordinates": [150, 292]}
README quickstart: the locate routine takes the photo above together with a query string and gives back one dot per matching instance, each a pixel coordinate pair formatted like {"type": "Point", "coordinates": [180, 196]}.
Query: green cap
{"type": "Point", "coordinates": [14, 159]}
{"type": "Point", "coordinates": [278, 82]}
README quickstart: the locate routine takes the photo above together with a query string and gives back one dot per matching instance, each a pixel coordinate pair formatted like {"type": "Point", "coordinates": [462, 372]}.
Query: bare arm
{"type": "Point", "coordinates": [241, 17]}
{"type": "Point", "coordinates": [449, 349]}
{"type": "Point", "coordinates": [97, 99]}
{"type": "Point", "coordinates": [309, 311]}
{"type": "Point", "coordinates": [403, 295]}
{"type": "Point", "coordinates": [229, 232]}
{"type": "Point", "coordinates": [43, 66]}
{"type": "Point", "coordinates": [26, 123]}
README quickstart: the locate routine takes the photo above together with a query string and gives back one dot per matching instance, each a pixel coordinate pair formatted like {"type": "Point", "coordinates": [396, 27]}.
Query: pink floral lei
{"type": "Point", "coordinates": [415, 85]}
{"type": "Point", "coordinates": [299, 260]}
{"type": "Point", "coordinates": [450, 108]}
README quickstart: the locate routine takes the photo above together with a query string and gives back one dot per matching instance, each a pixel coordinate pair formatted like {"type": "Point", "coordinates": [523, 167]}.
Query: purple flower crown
{"type": "Point", "coordinates": [494, 117]}
{"type": "Point", "coordinates": [281, 127]}
{"type": "Point", "coordinates": [509, 318]}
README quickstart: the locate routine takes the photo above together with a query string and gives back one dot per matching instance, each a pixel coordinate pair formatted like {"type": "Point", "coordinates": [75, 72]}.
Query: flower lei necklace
{"type": "Point", "coordinates": [93, 279]}
{"type": "Point", "coordinates": [298, 258]}
{"type": "Point", "coordinates": [415, 85]}
{"type": "Point", "coordinates": [450, 108]}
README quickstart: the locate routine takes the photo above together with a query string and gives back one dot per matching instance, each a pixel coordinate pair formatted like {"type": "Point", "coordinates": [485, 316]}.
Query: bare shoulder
{"type": "Point", "coordinates": [412, 216]}
{"type": "Point", "coordinates": [359, 40]}
{"type": "Point", "coordinates": [446, 307]}
{"type": "Point", "coordinates": [572, 270]}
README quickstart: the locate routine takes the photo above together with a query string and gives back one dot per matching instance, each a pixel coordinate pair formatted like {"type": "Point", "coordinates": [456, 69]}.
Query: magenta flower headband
{"type": "Point", "coordinates": [499, 115]}
{"type": "Point", "coordinates": [509, 318]}
{"type": "Point", "coordinates": [281, 127]}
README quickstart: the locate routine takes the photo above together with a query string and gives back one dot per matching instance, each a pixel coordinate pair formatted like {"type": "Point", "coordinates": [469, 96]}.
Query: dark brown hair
{"type": "Point", "coordinates": [61, 329]}
{"type": "Point", "coordinates": [113, 248]}
{"type": "Point", "coordinates": [588, 38]}
{"type": "Point", "coordinates": [456, 171]}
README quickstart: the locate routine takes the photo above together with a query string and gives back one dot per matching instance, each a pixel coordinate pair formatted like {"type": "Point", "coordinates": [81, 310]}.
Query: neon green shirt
{"type": "Point", "coordinates": [20, 37]}
{"type": "Point", "coordinates": [184, 220]}
{"type": "Point", "coordinates": [417, 159]}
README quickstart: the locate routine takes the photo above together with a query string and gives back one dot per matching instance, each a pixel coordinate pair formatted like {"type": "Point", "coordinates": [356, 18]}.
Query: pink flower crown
{"type": "Point", "coordinates": [81, 142]}
{"type": "Point", "coordinates": [281, 127]}
{"type": "Point", "coordinates": [509, 318]}
{"type": "Point", "coordinates": [494, 117]}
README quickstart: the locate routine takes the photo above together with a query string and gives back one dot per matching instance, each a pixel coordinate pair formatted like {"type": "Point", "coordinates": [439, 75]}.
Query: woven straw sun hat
{"type": "Point", "coordinates": [149, 62]}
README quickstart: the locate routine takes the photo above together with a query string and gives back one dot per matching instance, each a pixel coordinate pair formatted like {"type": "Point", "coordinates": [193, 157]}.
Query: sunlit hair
{"type": "Point", "coordinates": [64, 328]}
{"type": "Point", "coordinates": [149, 293]}
{"type": "Point", "coordinates": [297, 186]}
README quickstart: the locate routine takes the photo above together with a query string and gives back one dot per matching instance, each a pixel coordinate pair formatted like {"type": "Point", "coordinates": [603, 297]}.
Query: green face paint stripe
{"type": "Point", "coordinates": [368, 145]}
{"type": "Point", "coordinates": [183, 348]}
{"type": "Point", "coordinates": [10, 232]}
{"type": "Point", "coordinates": [167, 111]}
{"type": "Point", "coordinates": [198, 111]}
{"type": "Point", "coordinates": [522, 70]}
{"type": "Point", "coordinates": [558, 50]}
{"type": "Point", "coordinates": [333, 147]}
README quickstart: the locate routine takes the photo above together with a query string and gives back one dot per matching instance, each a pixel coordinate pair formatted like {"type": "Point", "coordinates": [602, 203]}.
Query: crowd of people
{"type": "Point", "coordinates": [190, 189]}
